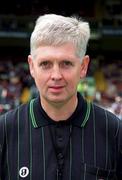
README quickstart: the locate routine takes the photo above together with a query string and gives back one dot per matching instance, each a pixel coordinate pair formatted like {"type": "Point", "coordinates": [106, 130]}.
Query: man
{"type": "Point", "coordinates": [59, 135]}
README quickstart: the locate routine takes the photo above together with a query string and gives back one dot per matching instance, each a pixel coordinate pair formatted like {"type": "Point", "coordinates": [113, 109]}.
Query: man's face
{"type": "Point", "coordinates": [57, 71]}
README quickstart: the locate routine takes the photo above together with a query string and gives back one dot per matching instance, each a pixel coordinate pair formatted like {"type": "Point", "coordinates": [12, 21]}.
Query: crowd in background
{"type": "Point", "coordinates": [103, 85]}
{"type": "Point", "coordinates": [16, 85]}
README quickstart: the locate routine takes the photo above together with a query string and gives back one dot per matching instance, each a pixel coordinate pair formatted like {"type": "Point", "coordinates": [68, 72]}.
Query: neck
{"type": "Point", "coordinates": [59, 112]}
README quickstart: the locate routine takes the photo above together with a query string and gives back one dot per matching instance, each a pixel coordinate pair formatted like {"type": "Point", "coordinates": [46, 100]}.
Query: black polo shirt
{"type": "Point", "coordinates": [86, 146]}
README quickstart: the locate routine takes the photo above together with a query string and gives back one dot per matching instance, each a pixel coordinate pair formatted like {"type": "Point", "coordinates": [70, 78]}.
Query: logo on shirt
{"type": "Point", "coordinates": [23, 172]}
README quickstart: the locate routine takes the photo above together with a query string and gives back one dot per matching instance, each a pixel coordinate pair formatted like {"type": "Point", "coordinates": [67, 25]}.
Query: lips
{"type": "Point", "coordinates": [56, 88]}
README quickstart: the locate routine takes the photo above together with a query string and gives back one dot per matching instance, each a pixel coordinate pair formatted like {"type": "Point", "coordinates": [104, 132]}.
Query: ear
{"type": "Point", "coordinates": [31, 68]}
{"type": "Point", "coordinates": [84, 66]}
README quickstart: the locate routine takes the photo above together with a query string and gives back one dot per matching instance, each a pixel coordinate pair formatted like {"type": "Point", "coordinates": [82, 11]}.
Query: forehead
{"type": "Point", "coordinates": [67, 51]}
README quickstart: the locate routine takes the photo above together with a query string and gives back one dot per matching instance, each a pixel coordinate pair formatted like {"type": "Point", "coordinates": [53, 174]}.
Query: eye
{"type": "Point", "coordinates": [45, 65]}
{"type": "Point", "coordinates": [66, 64]}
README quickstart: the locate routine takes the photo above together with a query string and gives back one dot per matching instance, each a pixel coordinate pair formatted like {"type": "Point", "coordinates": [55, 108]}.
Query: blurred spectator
{"type": "Point", "coordinates": [116, 107]}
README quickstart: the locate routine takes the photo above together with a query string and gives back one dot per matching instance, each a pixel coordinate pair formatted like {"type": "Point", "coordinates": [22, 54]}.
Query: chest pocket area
{"type": "Point", "coordinates": [95, 173]}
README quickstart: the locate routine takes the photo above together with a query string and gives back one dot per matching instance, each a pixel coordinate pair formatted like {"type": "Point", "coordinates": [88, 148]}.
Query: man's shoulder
{"type": "Point", "coordinates": [106, 118]}
{"type": "Point", "coordinates": [103, 112]}
{"type": "Point", "coordinates": [13, 114]}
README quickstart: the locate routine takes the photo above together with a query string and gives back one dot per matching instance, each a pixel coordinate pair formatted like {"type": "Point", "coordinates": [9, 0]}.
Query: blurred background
{"type": "Point", "coordinates": [103, 84]}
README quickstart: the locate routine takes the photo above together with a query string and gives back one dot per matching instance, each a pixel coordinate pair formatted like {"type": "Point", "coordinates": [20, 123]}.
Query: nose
{"type": "Point", "coordinates": [56, 73]}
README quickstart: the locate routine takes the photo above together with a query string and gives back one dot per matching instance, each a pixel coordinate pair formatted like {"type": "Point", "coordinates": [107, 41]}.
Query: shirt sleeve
{"type": "Point", "coordinates": [119, 152]}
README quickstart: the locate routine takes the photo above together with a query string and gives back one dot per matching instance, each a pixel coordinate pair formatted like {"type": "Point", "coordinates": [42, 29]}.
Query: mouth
{"type": "Point", "coordinates": [56, 89]}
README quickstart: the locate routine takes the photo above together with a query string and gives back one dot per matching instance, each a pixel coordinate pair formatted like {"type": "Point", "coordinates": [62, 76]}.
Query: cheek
{"type": "Point", "coordinates": [41, 79]}
{"type": "Point", "coordinates": [73, 79]}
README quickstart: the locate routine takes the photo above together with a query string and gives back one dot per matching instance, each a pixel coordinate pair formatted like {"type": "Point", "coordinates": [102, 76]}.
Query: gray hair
{"type": "Point", "coordinates": [56, 30]}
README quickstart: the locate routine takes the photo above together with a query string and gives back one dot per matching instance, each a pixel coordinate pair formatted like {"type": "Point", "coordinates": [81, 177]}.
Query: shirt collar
{"type": "Point", "coordinates": [40, 118]}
